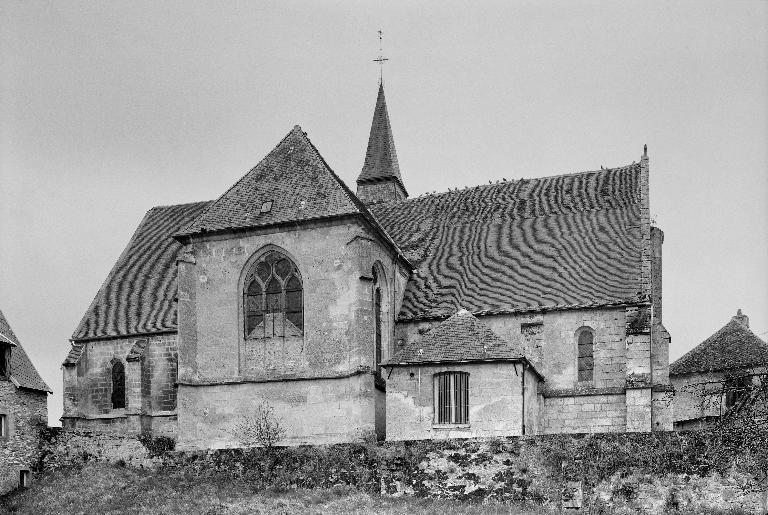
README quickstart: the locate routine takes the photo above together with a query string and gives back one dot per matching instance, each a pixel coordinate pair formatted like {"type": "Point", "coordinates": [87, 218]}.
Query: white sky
{"type": "Point", "coordinates": [110, 108]}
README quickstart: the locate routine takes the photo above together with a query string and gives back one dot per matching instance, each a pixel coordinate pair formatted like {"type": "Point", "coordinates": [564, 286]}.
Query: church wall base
{"type": "Point", "coordinates": [317, 411]}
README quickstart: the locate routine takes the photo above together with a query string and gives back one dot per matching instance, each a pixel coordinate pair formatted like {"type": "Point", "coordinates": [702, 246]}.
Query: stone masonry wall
{"type": "Point", "coordinates": [150, 385]}
{"type": "Point", "coordinates": [335, 354]}
{"type": "Point", "coordinates": [27, 413]}
{"type": "Point", "coordinates": [318, 411]}
{"type": "Point", "coordinates": [495, 401]}
{"type": "Point", "coordinates": [376, 192]}
{"type": "Point", "coordinates": [585, 414]}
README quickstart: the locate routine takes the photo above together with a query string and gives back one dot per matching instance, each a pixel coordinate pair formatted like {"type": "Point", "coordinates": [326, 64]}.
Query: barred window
{"type": "Point", "coordinates": [735, 389]}
{"type": "Point", "coordinates": [586, 355]}
{"type": "Point", "coordinates": [451, 398]}
{"type": "Point", "coordinates": [118, 385]}
{"type": "Point", "coordinates": [273, 298]}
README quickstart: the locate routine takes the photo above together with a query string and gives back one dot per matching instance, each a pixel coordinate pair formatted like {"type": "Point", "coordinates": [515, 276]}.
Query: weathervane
{"type": "Point", "coordinates": [380, 60]}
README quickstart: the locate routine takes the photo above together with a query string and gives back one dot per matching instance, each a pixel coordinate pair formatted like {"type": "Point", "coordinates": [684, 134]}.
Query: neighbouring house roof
{"type": "Point", "coordinates": [292, 183]}
{"type": "Point", "coordinates": [460, 338]}
{"type": "Point", "coordinates": [550, 243]}
{"type": "Point", "coordinates": [138, 295]}
{"type": "Point", "coordinates": [733, 346]}
{"type": "Point", "coordinates": [380, 157]}
{"type": "Point", "coordinates": [23, 372]}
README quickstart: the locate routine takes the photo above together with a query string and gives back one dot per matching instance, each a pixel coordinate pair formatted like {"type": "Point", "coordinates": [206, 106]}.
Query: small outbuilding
{"type": "Point", "coordinates": [23, 410]}
{"type": "Point", "coordinates": [461, 380]}
{"type": "Point", "coordinates": [713, 377]}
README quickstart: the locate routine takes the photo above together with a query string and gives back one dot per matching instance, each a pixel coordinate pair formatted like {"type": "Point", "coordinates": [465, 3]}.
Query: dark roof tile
{"type": "Point", "coordinates": [555, 242]}
{"type": "Point", "coordinates": [462, 337]}
{"type": "Point", "coordinates": [138, 295]}
{"type": "Point", "coordinates": [23, 372]}
{"type": "Point", "coordinates": [733, 346]}
{"type": "Point", "coordinates": [294, 178]}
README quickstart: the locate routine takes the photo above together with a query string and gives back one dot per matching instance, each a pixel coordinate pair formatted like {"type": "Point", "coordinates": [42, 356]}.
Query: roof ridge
{"type": "Point", "coordinates": [165, 206]}
{"type": "Point", "coordinates": [501, 182]}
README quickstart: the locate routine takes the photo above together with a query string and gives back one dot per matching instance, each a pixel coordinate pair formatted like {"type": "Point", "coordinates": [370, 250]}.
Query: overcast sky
{"type": "Point", "coordinates": [110, 108]}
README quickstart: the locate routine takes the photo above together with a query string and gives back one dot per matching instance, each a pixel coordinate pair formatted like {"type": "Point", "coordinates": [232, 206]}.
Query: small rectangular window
{"type": "Point", "coordinates": [3, 426]}
{"type": "Point", "coordinates": [451, 398]}
{"type": "Point", "coordinates": [24, 478]}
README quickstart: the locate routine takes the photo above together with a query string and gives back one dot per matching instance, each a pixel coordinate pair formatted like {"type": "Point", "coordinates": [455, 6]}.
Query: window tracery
{"type": "Point", "coordinates": [273, 298]}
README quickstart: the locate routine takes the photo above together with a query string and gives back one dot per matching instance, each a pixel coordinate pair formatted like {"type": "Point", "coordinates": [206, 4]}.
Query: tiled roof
{"type": "Point", "coordinates": [733, 346]}
{"type": "Point", "coordinates": [23, 372]}
{"type": "Point", "coordinates": [462, 337]}
{"type": "Point", "coordinates": [380, 157]}
{"type": "Point", "coordinates": [294, 178]}
{"type": "Point", "coordinates": [550, 243]}
{"type": "Point", "coordinates": [138, 295]}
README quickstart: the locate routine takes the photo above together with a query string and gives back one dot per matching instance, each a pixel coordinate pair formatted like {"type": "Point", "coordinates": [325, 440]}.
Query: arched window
{"type": "Point", "coordinates": [118, 385]}
{"type": "Point", "coordinates": [273, 298]}
{"type": "Point", "coordinates": [377, 327]}
{"type": "Point", "coordinates": [586, 355]}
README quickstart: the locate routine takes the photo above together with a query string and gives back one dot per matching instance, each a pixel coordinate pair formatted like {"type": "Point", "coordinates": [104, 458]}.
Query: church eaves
{"type": "Point", "coordinates": [292, 183]}
{"type": "Point", "coordinates": [381, 165]}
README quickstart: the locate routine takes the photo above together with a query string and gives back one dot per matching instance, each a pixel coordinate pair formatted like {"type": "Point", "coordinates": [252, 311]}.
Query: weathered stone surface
{"type": "Point", "coordinates": [27, 413]}
{"type": "Point", "coordinates": [150, 385]}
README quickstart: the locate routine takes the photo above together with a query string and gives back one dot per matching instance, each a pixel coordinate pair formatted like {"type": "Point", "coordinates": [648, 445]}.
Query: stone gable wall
{"type": "Point", "coordinates": [27, 412]}
{"type": "Point", "coordinates": [312, 379]}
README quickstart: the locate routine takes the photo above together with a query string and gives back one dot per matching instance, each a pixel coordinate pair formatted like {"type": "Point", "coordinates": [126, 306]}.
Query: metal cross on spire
{"type": "Point", "coordinates": [381, 59]}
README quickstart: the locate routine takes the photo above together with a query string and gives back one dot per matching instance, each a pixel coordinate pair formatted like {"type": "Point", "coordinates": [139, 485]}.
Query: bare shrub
{"type": "Point", "coordinates": [261, 429]}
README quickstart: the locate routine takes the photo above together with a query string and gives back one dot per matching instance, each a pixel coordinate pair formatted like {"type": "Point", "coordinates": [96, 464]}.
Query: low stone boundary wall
{"type": "Point", "coordinates": [621, 473]}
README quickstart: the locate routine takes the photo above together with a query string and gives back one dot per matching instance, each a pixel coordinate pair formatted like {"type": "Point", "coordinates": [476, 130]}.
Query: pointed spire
{"type": "Point", "coordinates": [381, 170]}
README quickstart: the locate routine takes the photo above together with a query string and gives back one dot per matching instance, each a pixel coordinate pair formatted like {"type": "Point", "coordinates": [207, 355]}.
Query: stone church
{"type": "Point", "coordinates": [521, 307]}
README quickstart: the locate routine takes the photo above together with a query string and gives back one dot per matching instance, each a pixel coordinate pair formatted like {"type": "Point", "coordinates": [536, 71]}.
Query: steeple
{"type": "Point", "coordinates": [380, 180]}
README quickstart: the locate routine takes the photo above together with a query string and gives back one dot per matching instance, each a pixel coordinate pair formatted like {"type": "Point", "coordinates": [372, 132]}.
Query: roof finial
{"type": "Point", "coordinates": [381, 59]}
{"type": "Point", "coordinates": [645, 150]}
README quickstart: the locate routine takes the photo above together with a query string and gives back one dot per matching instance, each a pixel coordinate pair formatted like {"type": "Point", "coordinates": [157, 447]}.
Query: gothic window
{"type": "Point", "coordinates": [377, 324]}
{"type": "Point", "coordinates": [451, 398]}
{"type": "Point", "coordinates": [118, 385]}
{"type": "Point", "coordinates": [586, 355]}
{"type": "Point", "coordinates": [273, 298]}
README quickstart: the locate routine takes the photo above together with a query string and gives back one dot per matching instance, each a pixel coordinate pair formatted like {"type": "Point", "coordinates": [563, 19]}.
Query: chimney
{"type": "Point", "coordinates": [741, 318]}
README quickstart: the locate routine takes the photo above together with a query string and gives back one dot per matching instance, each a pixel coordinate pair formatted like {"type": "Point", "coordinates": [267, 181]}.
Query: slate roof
{"type": "Point", "coordinates": [550, 243]}
{"type": "Point", "coordinates": [733, 346]}
{"type": "Point", "coordinates": [294, 178]}
{"type": "Point", "coordinates": [462, 337]}
{"type": "Point", "coordinates": [23, 372]}
{"type": "Point", "coordinates": [380, 156]}
{"type": "Point", "coordinates": [138, 295]}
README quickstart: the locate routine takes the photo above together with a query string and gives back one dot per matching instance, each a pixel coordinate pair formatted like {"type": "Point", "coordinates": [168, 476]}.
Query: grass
{"type": "Point", "coordinates": [101, 488]}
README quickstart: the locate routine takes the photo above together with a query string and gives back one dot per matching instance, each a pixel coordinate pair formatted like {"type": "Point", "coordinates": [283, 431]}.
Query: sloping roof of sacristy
{"type": "Point", "coordinates": [549, 243]}
{"type": "Point", "coordinates": [460, 338]}
{"type": "Point", "coordinates": [23, 372]}
{"type": "Point", "coordinates": [733, 346]}
{"type": "Point", "coordinates": [138, 296]}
